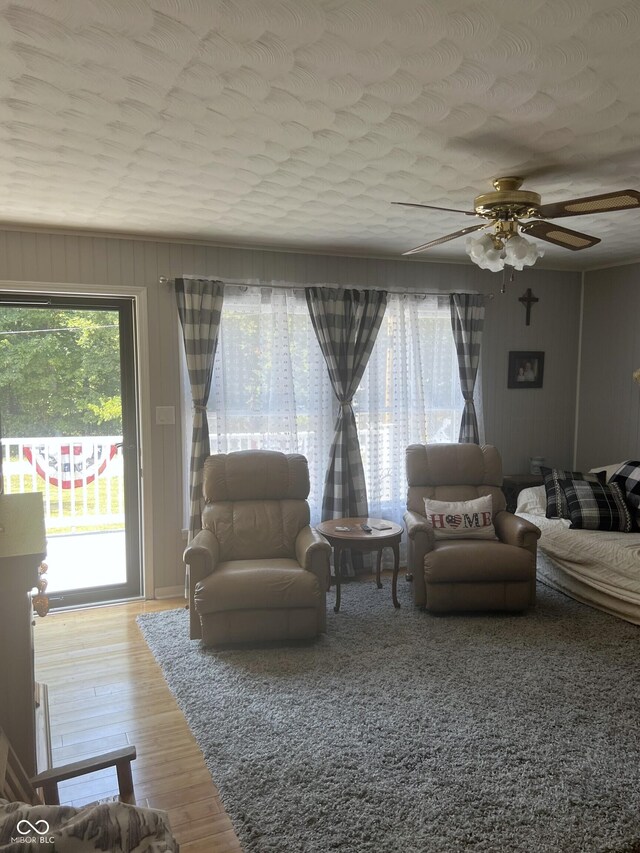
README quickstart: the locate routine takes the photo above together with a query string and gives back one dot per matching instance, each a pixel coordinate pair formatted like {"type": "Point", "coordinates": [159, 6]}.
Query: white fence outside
{"type": "Point", "coordinates": [80, 477]}
{"type": "Point", "coordinates": [90, 471]}
{"type": "Point", "coordinates": [275, 441]}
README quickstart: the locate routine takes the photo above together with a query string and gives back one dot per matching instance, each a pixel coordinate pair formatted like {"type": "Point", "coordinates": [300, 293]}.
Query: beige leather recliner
{"type": "Point", "coordinates": [466, 574]}
{"type": "Point", "coordinates": [257, 571]}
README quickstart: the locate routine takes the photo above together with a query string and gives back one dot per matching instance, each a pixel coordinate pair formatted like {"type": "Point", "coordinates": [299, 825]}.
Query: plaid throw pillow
{"type": "Point", "coordinates": [594, 506]}
{"type": "Point", "coordinates": [556, 501]}
{"type": "Point", "coordinates": [628, 478]}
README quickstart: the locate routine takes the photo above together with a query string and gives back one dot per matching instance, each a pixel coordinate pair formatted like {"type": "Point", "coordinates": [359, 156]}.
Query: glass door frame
{"type": "Point", "coordinates": [129, 304]}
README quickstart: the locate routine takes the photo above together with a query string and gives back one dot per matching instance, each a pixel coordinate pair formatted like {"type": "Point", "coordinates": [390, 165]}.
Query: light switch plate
{"type": "Point", "coordinates": [165, 415]}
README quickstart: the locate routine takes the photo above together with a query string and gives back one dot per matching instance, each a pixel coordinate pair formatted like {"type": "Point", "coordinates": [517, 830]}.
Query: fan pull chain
{"type": "Point", "coordinates": [512, 274]}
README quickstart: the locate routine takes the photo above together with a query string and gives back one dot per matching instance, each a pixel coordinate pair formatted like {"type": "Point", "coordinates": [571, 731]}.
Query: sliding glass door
{"type": "Point", "coordinates": [68, 404]}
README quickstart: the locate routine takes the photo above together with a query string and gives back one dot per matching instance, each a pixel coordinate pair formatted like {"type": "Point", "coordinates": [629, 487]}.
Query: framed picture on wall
{"type": "Point", "coordinates": [526, 369]}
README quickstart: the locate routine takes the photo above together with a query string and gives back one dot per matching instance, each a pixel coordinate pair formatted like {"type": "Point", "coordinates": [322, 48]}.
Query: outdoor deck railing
{"type": "Point", "coordinates": [80, 478]}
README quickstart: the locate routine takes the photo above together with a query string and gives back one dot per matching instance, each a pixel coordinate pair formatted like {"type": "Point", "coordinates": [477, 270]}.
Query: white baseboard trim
{"type": "Point", "coordinates": [169, 592]}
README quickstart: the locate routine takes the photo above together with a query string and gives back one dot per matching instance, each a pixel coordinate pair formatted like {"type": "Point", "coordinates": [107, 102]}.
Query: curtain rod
{"type": "Point", "coordinates": [236, 282]}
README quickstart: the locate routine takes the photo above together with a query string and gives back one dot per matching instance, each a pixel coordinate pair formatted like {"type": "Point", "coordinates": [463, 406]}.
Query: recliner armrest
{"type": "Point", "coordinates": [201, 557]}
{"type": "Point", "coordinates": [418, 527]}
{"type": "Point", "coordinates": [421, 541]}
{"type": "Point", "coordinates": [514, 530]}
{"type": "Point", "coordinates": [313, 552]}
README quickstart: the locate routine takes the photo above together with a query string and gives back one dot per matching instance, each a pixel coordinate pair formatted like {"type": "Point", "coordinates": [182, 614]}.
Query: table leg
{"type": "Point", "coordinates": [378, 567]}
{"type": "Point", "coordinates": [396, 566]}
{"type": "Point", "coordinates": [337, 559]}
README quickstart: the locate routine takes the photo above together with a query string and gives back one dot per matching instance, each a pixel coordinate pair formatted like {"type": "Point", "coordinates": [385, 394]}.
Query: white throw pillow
{"type": "Point", "coordinates": [608, 469]}
{"type": "Point", "coordinates": [461, 519]}
{"type": "Point", "coordinates": [532, 501]}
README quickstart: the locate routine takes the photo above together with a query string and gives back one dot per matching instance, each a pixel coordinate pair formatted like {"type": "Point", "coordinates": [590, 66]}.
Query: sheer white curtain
{"type": "Point", "coordinates": [271, 388]}
{"type": "Point", "coordinates": [410, 393]}
{"type": "Point", "coordinates": [270, 385]}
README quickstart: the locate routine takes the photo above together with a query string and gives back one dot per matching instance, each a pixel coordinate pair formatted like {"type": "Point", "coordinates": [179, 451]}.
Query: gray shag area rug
{"type": "Point", "coordinates": [402, 732]}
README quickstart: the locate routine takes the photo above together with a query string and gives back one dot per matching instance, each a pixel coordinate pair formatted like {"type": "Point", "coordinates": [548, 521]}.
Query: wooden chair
{"type": "Point", "coordinates": [16, 786]}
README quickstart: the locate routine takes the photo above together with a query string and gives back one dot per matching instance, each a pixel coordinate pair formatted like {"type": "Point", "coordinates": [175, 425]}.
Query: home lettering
{"type": "Point", "coordinates": [477, 519]}
{"type": "Point", "coordinates": [474, 520]}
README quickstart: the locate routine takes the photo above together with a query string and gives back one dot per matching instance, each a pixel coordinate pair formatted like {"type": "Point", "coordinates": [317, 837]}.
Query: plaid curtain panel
{"type": "Point", "coordinates": [346, 323]}
{"type": "Point", "coordinates": [467, 320]}
{"type": "Point", "coordinates": [594, 506]}
{"type": "Point", "coordinates": [199, 307]}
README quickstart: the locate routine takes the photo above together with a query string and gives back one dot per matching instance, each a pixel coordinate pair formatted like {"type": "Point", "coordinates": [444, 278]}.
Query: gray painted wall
{"type": "Point", "coordinates": [521, 423]}
{"type": "Point", "coordinates": [524, 422]}
{"type": "Point", "coordinates": [609, 408]}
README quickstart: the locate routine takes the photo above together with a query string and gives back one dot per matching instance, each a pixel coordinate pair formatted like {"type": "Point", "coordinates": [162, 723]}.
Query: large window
{"type": "Point", "coordinates": [271, 389]}
{"type": "Point", "coordinates": [270, 385]}
{"type": "Point", "coordinates": [410, 393]}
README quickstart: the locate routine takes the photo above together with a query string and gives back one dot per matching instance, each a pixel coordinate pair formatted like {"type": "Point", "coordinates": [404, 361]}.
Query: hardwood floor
{"type": "Point", "coordinates": [106, 691]}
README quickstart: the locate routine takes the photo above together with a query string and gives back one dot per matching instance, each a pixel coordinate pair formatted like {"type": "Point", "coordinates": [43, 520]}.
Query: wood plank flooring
{"type": "Point", "coordinates": [105, 691]}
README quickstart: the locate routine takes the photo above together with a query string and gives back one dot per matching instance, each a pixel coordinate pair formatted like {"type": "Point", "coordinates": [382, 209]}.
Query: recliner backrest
{"type": "Point", "coordinates": [453, 472]}
{"type": "Point", "coordinates": [255, 502]}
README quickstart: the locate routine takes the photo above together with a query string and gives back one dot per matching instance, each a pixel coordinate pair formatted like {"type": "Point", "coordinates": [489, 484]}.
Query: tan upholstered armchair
{"type": "Point", "coordinates": [256, 571]}
{"type": "Point", "coordinates": [466, 574]}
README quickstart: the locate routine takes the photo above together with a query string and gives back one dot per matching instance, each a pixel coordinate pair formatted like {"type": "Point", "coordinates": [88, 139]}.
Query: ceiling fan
{"type": "Point", "coordinates": [511, 212]}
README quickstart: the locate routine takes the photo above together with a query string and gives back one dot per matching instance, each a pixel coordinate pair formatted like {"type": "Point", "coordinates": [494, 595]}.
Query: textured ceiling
{"type": "Point", "coordinates": [296, 123]}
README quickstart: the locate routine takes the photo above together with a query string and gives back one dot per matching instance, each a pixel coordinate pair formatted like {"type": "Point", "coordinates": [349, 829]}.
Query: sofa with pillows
{"type": "Point", "coordinates": [590, 534]}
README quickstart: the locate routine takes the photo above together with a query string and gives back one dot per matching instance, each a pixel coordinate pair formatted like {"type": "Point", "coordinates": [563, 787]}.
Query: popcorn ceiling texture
{"type": "Point", "coordinates": [295, 123]}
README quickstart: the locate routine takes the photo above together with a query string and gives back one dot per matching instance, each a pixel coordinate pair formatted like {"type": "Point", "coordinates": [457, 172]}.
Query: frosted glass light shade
{"type": "Point", "coordinates": [516, 252]}
{"type": "Point", "coordinates": [520, 253]}
{"type": "Point", "coordinates": [484, 254]}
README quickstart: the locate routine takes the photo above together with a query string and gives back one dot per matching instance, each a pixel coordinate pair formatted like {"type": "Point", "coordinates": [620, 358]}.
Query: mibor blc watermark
{"type": "Point", "coordinates": [32, 833]}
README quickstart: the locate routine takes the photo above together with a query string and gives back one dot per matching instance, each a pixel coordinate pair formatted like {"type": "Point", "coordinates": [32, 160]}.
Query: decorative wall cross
{"type": "Point", "coordinates": [528, 299]}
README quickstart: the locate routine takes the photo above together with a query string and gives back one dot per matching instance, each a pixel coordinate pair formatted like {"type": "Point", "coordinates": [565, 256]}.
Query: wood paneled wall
{"type": "Point", "coordinates": [609, 409]}
{"type": "Point", "coordinates": [521, 423]}
{"type": "Point", "coordinates": [525, 422]}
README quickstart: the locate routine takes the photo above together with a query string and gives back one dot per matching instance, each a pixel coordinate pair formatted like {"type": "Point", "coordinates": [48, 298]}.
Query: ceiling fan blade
{"type": "Point", "coordinates": [432, 207]}
{"type": "Point", "coordinates": [558, 235]}
{"type": "Point", "coordinates": [604, 203]}
{"type": "Point", "coordinates": [447, 238]}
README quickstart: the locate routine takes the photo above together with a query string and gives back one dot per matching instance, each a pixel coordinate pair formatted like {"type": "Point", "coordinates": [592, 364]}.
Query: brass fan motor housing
{"type": "Point", "coordinates": [508, 201]}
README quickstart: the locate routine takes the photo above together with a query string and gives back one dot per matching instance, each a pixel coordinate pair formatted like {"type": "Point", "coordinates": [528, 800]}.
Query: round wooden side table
{"type": "Point", "coordinates": [355, 538]}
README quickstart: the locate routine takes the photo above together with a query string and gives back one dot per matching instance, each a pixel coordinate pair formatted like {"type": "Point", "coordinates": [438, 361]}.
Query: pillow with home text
{"type": "Point", "coordinates": [461, 519]}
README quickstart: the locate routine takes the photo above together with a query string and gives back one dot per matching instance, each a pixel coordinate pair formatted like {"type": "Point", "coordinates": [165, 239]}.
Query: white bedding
{"type": "Point", "coordinates": [595, 566]}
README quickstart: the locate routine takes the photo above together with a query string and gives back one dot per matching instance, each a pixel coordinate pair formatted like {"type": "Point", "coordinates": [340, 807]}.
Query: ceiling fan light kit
{"type": "Point", "coordinates": [508, 206]}
{"type": "Point", "coordinates": [494, 251]}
